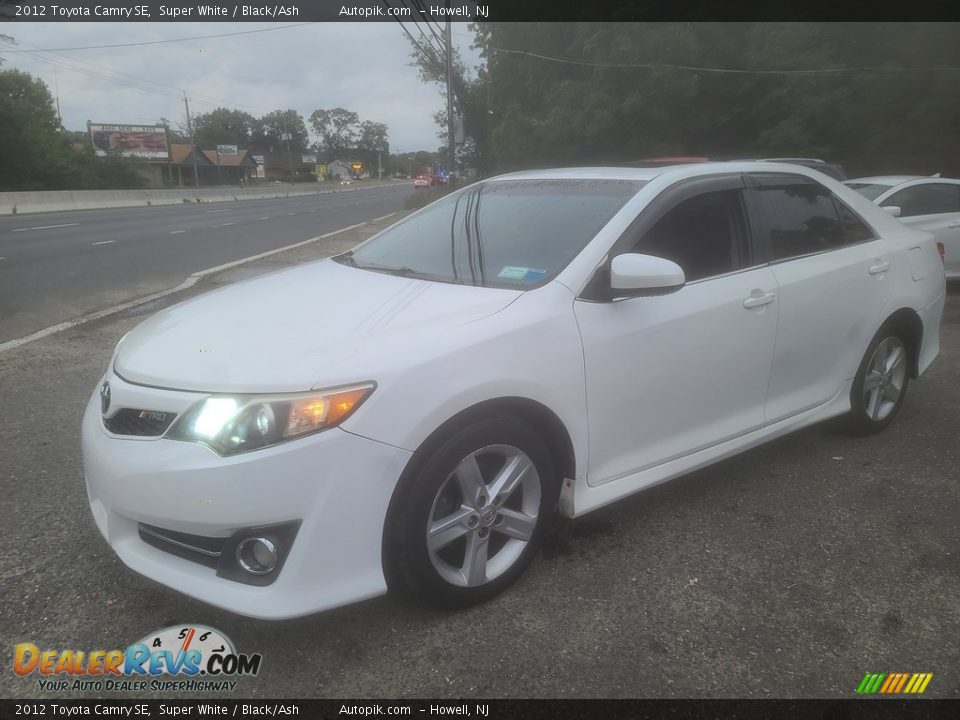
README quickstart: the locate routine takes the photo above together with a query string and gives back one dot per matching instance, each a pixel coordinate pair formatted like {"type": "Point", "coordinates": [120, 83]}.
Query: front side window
{"type": "Point", "coordinates": [505, 233]}
{"type": "Point", "coordinates": [801, 217]}
{"type": "Point", "coordinates": [926, 199]}
{"type": "Point", "coordinates": [704, 235]}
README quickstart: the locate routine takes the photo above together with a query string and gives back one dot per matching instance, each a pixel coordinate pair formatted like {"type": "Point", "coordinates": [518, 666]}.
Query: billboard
{"type": "Point", "coordinates": [228, 150]}
{"type": "Point", "coordinates": [259, 160]}
{"type": "Point", "coordinates": [138, 141]}
{"type": "Point", "coordinates": [308, 159]}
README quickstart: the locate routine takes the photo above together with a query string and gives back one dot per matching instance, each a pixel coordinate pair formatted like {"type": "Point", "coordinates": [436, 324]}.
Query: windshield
{"type": "Point", "coordinates": [507, 233]}
{"type": "Point", "coordinates": [871, 191]}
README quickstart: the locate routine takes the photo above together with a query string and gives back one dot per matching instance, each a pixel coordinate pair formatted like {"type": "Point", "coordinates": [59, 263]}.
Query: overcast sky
{"type": "Point", "coordinates": [360, 66]}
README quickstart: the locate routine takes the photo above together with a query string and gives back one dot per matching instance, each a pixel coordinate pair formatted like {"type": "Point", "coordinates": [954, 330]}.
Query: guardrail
{"type": "Point", "coordinates": [15, 203]}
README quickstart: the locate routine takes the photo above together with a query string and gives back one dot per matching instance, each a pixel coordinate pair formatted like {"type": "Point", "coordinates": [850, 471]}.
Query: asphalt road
{"type": "Point", "coordinates": [58, 266]}
{"type": "Point", "coordinates": [788, 571]}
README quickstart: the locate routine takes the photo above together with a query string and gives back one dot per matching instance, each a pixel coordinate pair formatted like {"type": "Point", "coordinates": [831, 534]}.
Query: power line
{"type": "Point", "coordinates": [864, 71]}
{"type": "Point", "coordinates": [139, 83]}
{"type": "Point", "coordinates": [161, 42]}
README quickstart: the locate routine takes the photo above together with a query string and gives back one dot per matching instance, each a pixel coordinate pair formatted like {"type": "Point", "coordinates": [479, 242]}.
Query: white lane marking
{"type": "Point", "coordinates": [176, 232]}
{"type": "Point", "coordinates": [311, 211]}
{"type": "Point", "coordinates": [291, 213]}
{"type": "Point", "coordinates": [186, 284]}
{"type": "Point", "coordinates": [213, 211]}
{"type": "Point", "coordinates": [45, 227]}
{"type": "Point", "coordinates": [226, 224]}
{"type": "Point", "coordinates": [103, 242]}
{"type": "Point", "coordinates": [265, 217]}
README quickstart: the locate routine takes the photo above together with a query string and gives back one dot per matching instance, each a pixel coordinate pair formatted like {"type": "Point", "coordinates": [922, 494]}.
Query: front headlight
{"type": "Point", "coordinates": [232, 424]}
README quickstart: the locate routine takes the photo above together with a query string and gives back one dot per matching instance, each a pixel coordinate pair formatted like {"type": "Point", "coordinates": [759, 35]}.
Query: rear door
{"type": "Point", "coordinates": [831, 271]}
{"type": "Point", "coordinates": [935, 208]}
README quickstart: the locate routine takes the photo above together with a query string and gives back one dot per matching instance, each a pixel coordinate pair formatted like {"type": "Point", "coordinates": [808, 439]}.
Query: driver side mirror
{"type": "Point", "coordinates": [892, 209]}
{"type": "Point", "coordinates": [635, 275]}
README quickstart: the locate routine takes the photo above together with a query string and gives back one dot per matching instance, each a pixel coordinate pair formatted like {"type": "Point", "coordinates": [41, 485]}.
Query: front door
{"type": "Point", "coordinates": [672, 374]}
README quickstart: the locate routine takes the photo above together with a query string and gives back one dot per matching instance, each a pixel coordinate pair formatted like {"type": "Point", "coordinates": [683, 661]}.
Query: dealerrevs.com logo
{"type": "Point", "coordinates": [178, 658]}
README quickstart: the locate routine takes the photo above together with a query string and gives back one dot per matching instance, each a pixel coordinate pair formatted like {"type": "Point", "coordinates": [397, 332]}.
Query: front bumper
{"type": "Point", "coordinates": [338, 485]}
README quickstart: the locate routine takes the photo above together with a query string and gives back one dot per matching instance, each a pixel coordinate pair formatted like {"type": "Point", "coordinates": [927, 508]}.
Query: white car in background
{"type": "Point", "coordinates": [415, 410]}
{"type": "Point", "coordinates": [924, 203]}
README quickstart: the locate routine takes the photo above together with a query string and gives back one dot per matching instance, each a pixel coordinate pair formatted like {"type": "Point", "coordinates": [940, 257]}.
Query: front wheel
{"type": "Point", "coordinates": [476, 512]}
{"type": "Point", "coordinates": [880, 385]}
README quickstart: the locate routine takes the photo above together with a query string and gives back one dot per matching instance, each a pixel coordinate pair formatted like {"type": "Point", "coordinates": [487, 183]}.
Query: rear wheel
{"type": "Point", "coordinates": [881, 383]}
{"type": "Point", "coordinates": [476, 512]}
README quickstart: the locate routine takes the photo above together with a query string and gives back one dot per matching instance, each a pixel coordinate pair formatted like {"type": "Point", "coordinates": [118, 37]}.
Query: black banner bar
{"type": "Point", "coordinates": [287, 11]}
{"type": "Point", "coordinates": [492, 709]}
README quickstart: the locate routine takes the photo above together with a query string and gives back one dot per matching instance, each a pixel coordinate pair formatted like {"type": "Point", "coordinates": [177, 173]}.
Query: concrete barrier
{"type": "Point", "coordinates": [57, 200]}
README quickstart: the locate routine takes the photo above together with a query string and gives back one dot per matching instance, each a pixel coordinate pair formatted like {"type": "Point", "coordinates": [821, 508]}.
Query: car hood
{"type": "Point", "coordinates": [321, 324]}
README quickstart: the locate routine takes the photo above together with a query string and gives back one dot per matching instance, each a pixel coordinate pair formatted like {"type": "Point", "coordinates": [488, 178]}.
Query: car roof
{"type": "Point", "coordinates": [647, 174]}
{"type": "Point", "coordinates": [890, 180]}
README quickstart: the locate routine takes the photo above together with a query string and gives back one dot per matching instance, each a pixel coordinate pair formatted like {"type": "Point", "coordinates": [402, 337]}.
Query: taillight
{"type": "Point", "coordinates": [942, 251]}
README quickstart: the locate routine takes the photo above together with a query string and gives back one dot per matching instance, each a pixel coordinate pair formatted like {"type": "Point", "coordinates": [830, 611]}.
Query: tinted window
{"type": "Point", "coordinates": [926, 199]}
{"type": "Point", "coordinates": [871, 191]}
{"type": "Point", "coordinates": [801, 217]}
{"type": "Point", "coordinates": [508, 233]}
{"type": "Point", "coordinates": [854, 229]}
{"type": "Point", "coordinates": [704, 235]}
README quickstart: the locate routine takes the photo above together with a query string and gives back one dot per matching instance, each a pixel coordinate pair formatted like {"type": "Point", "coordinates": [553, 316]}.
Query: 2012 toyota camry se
{"type": "Point", "coordinates": [412, 412]}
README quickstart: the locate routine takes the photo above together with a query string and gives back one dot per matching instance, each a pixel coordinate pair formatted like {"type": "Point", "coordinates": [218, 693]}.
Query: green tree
{"type": "Point", "coordinates": [33, 154]}
{"type": "Point", "coordinates": [270, 129]}
{"type": "Point", "coordinates": [617, 92]}
{"type": "Point", "coordinates": [338, 130]}
{"type": "Point", "coordinates": [224, 126]}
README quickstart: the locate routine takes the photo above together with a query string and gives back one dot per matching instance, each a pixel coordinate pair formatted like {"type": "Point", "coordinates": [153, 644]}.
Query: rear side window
{"type": "Point", "coordinates": [801, 217]}
{"type": "Point", "coordinates": [854, 229]}
{"type": "Point", "coordinates": [705, 235]}
{"type": "Point", "coordinates": [926, 199]}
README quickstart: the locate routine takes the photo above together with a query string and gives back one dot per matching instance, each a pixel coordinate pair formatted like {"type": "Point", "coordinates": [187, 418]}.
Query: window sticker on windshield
{"type": "Point", "coordinates": [524, 274]}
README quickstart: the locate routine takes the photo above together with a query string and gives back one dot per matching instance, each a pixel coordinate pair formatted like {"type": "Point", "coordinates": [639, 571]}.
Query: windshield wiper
{"type": "Point", "coordinates": [400, 271]}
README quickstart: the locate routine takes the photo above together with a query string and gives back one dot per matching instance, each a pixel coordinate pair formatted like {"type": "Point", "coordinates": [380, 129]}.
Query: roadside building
{"type": "Point", "coordinates": [228, 169]}
{"type": "Point", "coordinates": [282, 166]}
{"type": "Point", "coordinates": [339, 170]}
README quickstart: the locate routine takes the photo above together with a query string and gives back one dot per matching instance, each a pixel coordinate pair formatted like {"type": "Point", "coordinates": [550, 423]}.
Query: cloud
{"type": "Point", "coordinates": [362, 66]}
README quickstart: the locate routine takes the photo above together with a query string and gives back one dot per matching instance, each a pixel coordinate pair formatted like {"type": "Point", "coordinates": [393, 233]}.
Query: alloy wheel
{"type": "Point", "coordinates": [483, 515]}
{"type": "Point", "coordinates": [883, 384]}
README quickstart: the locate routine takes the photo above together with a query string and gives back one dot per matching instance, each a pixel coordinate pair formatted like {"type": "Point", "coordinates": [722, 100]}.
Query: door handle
{"type": "Point", "coordinates": [879, 267]}
{"type": "Point", "coordinates": [755, 301]}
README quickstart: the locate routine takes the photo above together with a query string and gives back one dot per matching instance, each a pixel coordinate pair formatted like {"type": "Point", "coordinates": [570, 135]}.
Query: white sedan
{"type": "Point", "coordinates": [412, 413]}
{"type": "Point", "coordinates": [925, 203]}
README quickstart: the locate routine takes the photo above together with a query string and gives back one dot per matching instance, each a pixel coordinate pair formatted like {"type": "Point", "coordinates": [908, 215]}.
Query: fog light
{"type": "Point", "coordinates": [257, 555]}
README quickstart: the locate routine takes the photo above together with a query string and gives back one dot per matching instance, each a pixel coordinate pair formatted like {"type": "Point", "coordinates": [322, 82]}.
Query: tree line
{"type": "Point", "coordinates": [878, 97]}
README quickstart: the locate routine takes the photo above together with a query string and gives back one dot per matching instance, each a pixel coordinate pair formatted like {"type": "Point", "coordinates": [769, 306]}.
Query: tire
{"type": "Point", "coordinates": [881, 383]}
{"type": "Point", "coordinates": [456, 542]}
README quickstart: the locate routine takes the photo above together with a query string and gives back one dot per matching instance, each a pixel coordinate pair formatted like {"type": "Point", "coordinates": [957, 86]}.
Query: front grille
{"type": "Point", "coordinates": [145, 423]}
{"type": "Point", "coordinates": [199, 549]}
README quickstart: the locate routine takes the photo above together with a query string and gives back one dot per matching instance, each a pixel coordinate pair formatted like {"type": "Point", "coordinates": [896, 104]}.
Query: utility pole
{"type": "Point", "coordinates": [286, 136]}
{"type": "Point", "coordinates": [193, 145]}
{"type": "Point", "coordinates": [56, 85]}
{"type": "Point", "coordinates": [448, 43]}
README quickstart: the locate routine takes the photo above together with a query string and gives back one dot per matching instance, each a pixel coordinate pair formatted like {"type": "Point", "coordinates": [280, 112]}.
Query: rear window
{"type": "Point", "coordinates": [507, 233]}
{"type": "Point", "coordinates": [871, 191]}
